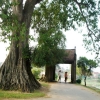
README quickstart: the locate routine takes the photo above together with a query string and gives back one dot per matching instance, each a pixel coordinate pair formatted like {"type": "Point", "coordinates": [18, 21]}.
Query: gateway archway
{"type": "Point", "coordinates": [64, 68]}
{"type": "Point", "coordinates": [70, 58]}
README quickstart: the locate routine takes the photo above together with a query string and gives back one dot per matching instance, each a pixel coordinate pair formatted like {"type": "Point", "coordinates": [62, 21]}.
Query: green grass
{"type": "Point", "coordinates": [12, 94]}
{"type": "Point", "coordinates": [21, 95]}
{"type": "Point", "coordinates": [93, 88]}
{"type": "Point", "coordinates": [93, 84]}
{"type": "Point", "coordinates": [90, 87]}
{"type": "Point", "coordinates": [45, 84]}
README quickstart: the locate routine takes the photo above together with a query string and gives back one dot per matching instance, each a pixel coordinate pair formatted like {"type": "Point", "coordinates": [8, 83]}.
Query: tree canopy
{"type": "Point", "coordinates": [66, 13]}
{"type": "Point", "coordinates": [50, 17]}
{"type": "Point", "coordinates": [86, 65]}
{"type": "Point", "coordinates": [51, 41]}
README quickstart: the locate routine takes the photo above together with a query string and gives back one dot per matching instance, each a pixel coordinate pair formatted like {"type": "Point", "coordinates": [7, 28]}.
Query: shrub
{"type": "Point", "coordinates": [56, 76]}
{"type": "Point", "coordinates": [78, 81]}
{"type": "Point", "coordinates": [36, 72]}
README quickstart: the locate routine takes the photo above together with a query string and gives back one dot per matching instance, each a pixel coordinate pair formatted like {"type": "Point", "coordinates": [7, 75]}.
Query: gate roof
{"type": "Point", "coordinates": [70, 56]}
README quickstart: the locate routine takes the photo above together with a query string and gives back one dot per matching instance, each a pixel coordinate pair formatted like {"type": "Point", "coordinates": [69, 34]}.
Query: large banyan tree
{"type": "Point", "coordinates": [16, 17]}
{"type": "Point", "coordinates": [15, 73]}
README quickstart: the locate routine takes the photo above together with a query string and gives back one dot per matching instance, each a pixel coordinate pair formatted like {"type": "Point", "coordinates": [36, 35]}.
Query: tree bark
{"type": "Point", "coordinates": [15, 73]}
{"type": "Point", "coordinates": [85, 80]}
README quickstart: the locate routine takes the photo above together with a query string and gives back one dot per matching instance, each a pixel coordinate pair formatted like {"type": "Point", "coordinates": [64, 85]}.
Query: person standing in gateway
{"type": "Point", "coordinates": [59, 76]}
{"type": "Point", "coordinates": [66, 76]}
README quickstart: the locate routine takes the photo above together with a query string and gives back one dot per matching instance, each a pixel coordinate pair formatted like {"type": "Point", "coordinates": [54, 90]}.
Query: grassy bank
{"type": "Point", "coordinates": [95, 89]}
{"type": "Point", "coordinates": [93, 84]}
{"type": "Point", "coordinates": [20, 95]}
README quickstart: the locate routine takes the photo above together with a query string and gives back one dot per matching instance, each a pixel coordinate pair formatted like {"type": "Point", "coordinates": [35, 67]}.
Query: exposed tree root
{"type": "Point", "coordinates": [17, 76]}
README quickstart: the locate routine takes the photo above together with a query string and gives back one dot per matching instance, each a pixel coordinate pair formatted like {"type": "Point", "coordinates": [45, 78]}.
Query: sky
{"type": "Point", "coordinates": [74, 39]}
{"type": "Point", "coordinates": [3, 51]}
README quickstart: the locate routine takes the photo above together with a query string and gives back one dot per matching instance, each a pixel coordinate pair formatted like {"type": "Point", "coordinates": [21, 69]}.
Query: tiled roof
{"type": "Point", "coordinates": [70, 55]}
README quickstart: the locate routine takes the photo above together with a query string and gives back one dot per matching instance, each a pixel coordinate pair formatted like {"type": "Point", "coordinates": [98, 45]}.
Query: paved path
{"type": "Point", "coordinates": [62, 91]}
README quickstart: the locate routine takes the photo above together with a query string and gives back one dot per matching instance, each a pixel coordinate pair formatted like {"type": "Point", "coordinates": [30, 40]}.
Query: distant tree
{"type": "Point", "coordinates": [86, 66]}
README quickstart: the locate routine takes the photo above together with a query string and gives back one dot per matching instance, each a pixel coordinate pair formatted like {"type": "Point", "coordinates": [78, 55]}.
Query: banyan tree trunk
{"type": "Point", "coordinates": [15, 73]}
{"type": "Point", "coordinates": [50, 73]}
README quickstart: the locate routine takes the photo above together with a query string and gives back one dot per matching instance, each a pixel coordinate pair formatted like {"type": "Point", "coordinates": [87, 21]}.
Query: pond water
{"type": "Point", "coordinates": [92, 83]}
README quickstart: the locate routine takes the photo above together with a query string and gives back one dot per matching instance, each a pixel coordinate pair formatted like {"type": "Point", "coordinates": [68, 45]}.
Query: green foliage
{"type": "Point", "coordinates": [92, 39]}
{"type": "Point", "coordinates": [66, 14]}
{"type": "Point", "coordinates": [36, 72]}
{"type": "Point", "coordinates": [78, 81]}
{"type": "Point", "coordinates": [47, 56]}
{"type": "Point", "coordinates": [26, 52]}
{"type": "Point", "coordinates": [86, 65]}
{"type": "Point", "coordinates": [10, 23]}
{"type": "Point", "coordinates": [48, 19]}
{"type": "Point", "coordinates": [56, 77]}
{"type": "Point", "coordinates": [78, 70]}
{"type": "Point", "coordinates": [51, 39]}
{"type": "Point", "coordinates": [54, 15]}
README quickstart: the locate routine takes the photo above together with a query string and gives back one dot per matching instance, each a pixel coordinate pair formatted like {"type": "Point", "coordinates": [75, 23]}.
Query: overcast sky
{"type": "Point", "coordinates": [75, 39]}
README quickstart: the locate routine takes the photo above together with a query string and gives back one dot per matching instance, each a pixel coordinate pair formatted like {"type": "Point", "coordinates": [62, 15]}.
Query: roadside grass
{"type": "Point", "coordinates": [93, 84]}
{"type": "Point", "coordinates": [20, 95]}
{"type": "Point", "coordinates": [94, 89]}
{"type": "Point", "coordinates": [90, 87]}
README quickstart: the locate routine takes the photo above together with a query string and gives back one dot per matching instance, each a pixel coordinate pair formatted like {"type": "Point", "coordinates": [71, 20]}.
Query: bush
{"type": "Point", "coordinates": [78, 81]}
{"type": "Point", "coordinates": [36, 72]}
{"type": "Point", "coordinates": [56, 76]}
